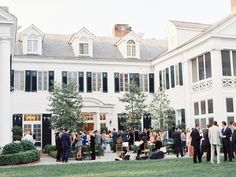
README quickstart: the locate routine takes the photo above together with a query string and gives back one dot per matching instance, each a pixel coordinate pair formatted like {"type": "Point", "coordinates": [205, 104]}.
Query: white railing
{"type": "Point", "coordinates": [229, 82]}
{"type": "Point", "coordinates": [202, 85]}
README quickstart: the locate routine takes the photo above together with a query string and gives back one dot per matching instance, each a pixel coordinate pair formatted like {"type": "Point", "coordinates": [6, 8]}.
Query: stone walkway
{"type": "Point", "coordinates": [108, 157]}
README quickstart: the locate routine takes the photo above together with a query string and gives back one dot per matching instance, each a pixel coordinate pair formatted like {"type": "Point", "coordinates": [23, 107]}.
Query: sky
{"type": "Point", "coordinates": [149, 17]}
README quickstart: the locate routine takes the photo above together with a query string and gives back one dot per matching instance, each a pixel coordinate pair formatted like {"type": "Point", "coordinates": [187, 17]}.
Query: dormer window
{"type": "Point", "coordinates": [32, 44]}
{"type": "Point", "coordinates": [83, 49]}
{"type": "Point", "coordinates": [131, 49]}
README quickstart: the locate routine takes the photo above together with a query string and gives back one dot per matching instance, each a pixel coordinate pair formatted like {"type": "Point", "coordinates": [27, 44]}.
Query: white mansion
{"type": "Point", "coordinates": [196, 66]}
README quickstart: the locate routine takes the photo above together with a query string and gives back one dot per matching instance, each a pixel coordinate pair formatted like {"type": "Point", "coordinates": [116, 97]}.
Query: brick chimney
{"type": "Point", "coordinates": [233, 6]}
{"type": "Point", "coordinates": [120, 30]}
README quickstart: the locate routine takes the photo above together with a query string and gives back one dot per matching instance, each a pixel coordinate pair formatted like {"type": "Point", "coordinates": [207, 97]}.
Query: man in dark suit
{"type": "Point", "coordinates": [226, 134]}
{"type": "Point", "coordinates": [114, 139]}
{"type": "Point", "coordinates": [196, 144]}
{"type": "Point", "coordinates": [177, 142]}
{"type": "Point", "coordinates": [65, 140]}
{"type": "Point", "coordinates": [206, 143]}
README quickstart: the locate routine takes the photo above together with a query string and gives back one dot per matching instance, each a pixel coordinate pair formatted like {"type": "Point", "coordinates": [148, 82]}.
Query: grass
{"type": "Point", "coordinates": [163, 168]}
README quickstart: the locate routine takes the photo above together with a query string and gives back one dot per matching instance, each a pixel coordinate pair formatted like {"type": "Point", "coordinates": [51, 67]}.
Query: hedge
{"type": "Point", "coordinates": [48, 148]}
{"type": "Point", "coordinates": [20, 158]}
{"type": "Point", "coordinates": [12, 148]}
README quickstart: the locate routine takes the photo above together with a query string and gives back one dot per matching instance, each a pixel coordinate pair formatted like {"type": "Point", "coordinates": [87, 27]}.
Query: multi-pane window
{"type": "Point", "coordinates": [97, 82]}
{"type": "Point", "coordinates": [42, 80]}
{"type": "Point", "coordinates": [83, 48]}
{"type": "Point", "coordinates": [131, 48]}
{"type": "Point", "coordinates": [203, 107]}
{"type": "Point", "coordinates": [32, 45]}
{"type": "Point", "coordinates": [177, 74]}
{"type": "Point", "coordinates": [196, 108]}
{"type": "Point", "coordinates": [72, 77]}
{"type": "Point", "coordinates": [124, 82]}
{"type": "Point", "coordinates": [19, 80]}
{"type": "Point", "coordinates": [143, 82]}
{"type": "Point", "coordinates": [210, 106]}
{"type": "Point", "coordinates": [228, 62]}
{"type": "Point", "coordinates": [229, 104]}
{"type": "Point", "coordinates": [201, 67]}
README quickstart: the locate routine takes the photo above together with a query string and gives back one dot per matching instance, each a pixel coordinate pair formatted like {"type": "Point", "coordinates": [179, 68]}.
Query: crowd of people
{"type": "Point", "coordinates": [208, 140]}
{"type": "Point", "coordinates": [195, 142]}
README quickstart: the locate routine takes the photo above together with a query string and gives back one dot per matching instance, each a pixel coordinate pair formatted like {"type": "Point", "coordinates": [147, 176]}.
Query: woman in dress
{"type": "Point", "coordinates": [78, 147]}
{"type": "Point", "coordinates": [58, 147]}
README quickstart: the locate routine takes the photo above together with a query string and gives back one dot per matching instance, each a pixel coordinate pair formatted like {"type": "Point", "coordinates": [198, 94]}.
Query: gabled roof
{"type": "Point", "coordinates": [206, 32]}
{"type": "Point", "coordinates": [55, 45]}
{"type": "Point", "coordinates": [83, 30]}
{"type": "Point", "coordinates": [190, 25]}
{"type": "Point", "coordinates": [128, 36]}
{"type": "Point", "coordinates": [35, 28]}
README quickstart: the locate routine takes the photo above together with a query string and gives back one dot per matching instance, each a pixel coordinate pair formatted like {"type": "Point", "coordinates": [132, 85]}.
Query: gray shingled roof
{"type": "Point", "coordinates": [192, 25]}
{"type": "Point", "coordinates": [55, 45]}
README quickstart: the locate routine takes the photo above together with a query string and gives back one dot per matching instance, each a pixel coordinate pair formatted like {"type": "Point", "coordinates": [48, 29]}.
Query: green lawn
{"type": "Point", "coordinates": [145, 168]}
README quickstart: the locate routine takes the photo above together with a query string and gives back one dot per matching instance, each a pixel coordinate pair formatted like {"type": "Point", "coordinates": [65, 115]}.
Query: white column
{"type": "Point", "coordinates": [5, 115]}
{"type": "Point", "coordinates": [97, 122]}
{"type": "Point", "coordinates": [218, 100]}
{"type": "Point", "coordinates": [187, 81]}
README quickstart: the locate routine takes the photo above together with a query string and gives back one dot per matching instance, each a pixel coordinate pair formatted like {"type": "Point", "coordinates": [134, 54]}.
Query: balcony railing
{"type": "Point", "coordinates": [202, 85]}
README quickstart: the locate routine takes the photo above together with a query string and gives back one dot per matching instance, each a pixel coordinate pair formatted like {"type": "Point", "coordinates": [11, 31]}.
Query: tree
{"type": "Point", "coordinates": [134, 105]}
{"type": "Point", "coordinates": [65, 105]}
{"type": "Point", "coordinates": [162, 114]}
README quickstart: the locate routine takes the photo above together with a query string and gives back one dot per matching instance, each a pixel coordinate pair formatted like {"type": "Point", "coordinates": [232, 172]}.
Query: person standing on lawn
{"type": "Point", "coordinates": [196, 138]}
{"type": "Point", "coordinates": [214, 138]}
{"type": "Point", "coordinates": [66, 143]}
{"type": "Point", "coordinates": [206, 143]}
{"type": "Point", "coordinates": [92, 145]}
{"type": "Point", "coordinates": [58, 146]}
{"type": "Point", "coordinates": [226, 134]}
{"type": "Point", "coordinates": [177, 143]}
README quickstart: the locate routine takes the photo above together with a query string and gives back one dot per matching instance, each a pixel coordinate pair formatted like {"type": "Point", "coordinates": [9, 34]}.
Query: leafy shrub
{"type": "Point", "coordinates": [12, 148]}
{"type": "Point", "coordinates": [48, 148]}
{"type": "Point", "coordinates": [53, 154]}
{"type": "Point", "coordinates": [20, 158]}
{"type": "Point", "coordinates": [27, 145]}
{"type": "Point", "coordinates": [17, 133]}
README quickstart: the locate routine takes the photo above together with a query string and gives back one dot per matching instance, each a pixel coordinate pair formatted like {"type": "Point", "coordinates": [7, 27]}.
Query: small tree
{"type": "Point", "coordinates": [65, 105]}
{"type": "Point", "coordinates": [135, 107]}
{"type": "Point", "coordinates": [162, 114]}
{"type": "Point", "coordinates": [17, 133]}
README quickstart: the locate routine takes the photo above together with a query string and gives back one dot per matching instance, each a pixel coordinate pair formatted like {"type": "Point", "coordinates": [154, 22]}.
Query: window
{"type": "Point", "coordinates": [194, 70]}
{"type": "Point", "coordinates": [19, 81]}
{"type": "Point", "coordinates": [201, 67]}
{"type": "Point", "coordinates": [203, 123]}
{"type": "Point", "coordinates": [226, 65]}
{"type": "Point", "coordinates": [177, 74]}
{"type": "Point", "coordinates": [143, 85]}
{"type": "Point", "coordinates": [208, 65]}
{"type": "Point", "coordinates": [97, 82]}
{"type": "Point", "coordinates": [72, 77]}
{"type": "Point", "coordinates": [42, 80]}
{"type": "Point", "coordinates": [230, 119]}
{"type": "Point", "coordinates": [234, 62]}
{"type": "Point", "coordinates": [210, 106]}
{"type": "Point", "coordinates": [160, 79]}
{"type": "Point", "coordinates": [131, 48]}
{"type": "Point", "coordinates": [210, 120]}
{"type": "Point", "coordinates": [167, 79]}
{"type": "Point", "coordinates": [124, 82]}
{"type": "Point", "coordinates": [203, 107]}
{"type": "Point", "coordinates": [196, 108]}
{"type": "Point", "coordinates": [83, 48]}
{"type": "Point", "coordinates": [32, 44]}
{"type": "Point", "coordinates": [229, 104]}
{"type": "Point", "coordinates": [197, 122]}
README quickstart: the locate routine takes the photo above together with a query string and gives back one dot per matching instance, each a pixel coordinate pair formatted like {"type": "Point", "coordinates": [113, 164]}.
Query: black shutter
{"type": "Point", "coordinates": [147, 121]}
{"type": "Point", "coordinates": [50, 81]}
{"type": "Point", "coordinates": [89, 82]}
{"type": "Point", "coordinates": [131, 78]}
{"type": "Point", "coordinates": [27, 81]}
{"type": "Point", "coordinates": [33, 81]}
{"type": "Point", "coordinates": [117, 82]}
{"type": "Point", "coordinates": [167, 79]}
{"type": "Point", "coordinates": [172, 76]}
{"type": "Point", "coordinates": [151, 83]}
{"type": "Point", "coordinates": [17, 120]}
{"type": "Point", "coordinates": [183, 116]}
{"type": "Point", "coordinates": [12, 81]}
{"type": "Point", "coordinates": [46, 130]}
{"type": "Point", "coordinates": [180, 74]}
{"type": "Point", "coordinates": [160, 80]}
{"type": "Point", "coordinates": [81, 81]}
{"type": "Point", "coordinates": [64, 77]}
{"type": "Point", "coordinates": [104, 82]}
